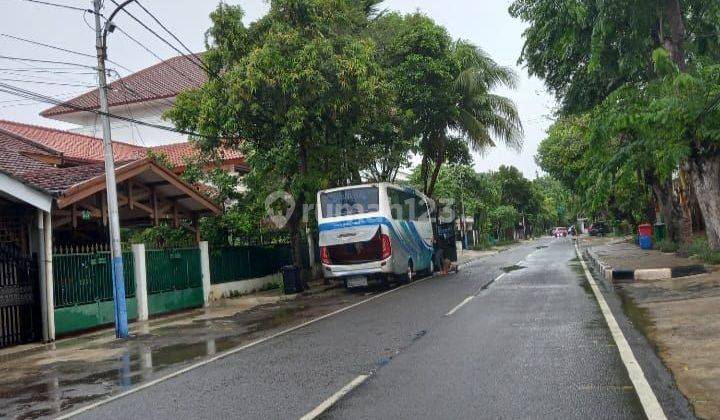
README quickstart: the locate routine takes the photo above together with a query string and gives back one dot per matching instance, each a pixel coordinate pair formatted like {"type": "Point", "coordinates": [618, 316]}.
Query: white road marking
{"type": "Point", "coordinates": [230, 352]}
{"type": "Point", "coordinates": [648, 399]}
{"type": "Point", "coordinates": [459, 305]}
{"type": "Point", "coordinates": [317, 411]}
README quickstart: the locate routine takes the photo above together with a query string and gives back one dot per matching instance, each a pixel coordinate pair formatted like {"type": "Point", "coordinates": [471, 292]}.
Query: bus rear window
{"type": "Point", "coordinates": [350, 201]}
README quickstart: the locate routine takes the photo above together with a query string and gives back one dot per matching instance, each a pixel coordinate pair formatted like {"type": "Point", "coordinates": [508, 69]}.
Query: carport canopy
{"type": "Point", "coordinates": [148, 193]}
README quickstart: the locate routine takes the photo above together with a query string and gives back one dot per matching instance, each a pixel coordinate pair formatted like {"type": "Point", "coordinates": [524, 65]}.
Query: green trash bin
{"type": "Point", "coordinates": [659, 232]}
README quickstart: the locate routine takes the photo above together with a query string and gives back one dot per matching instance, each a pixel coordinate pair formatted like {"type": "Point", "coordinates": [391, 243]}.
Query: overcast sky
{"type": "Point", "coordinates": [485, 23]}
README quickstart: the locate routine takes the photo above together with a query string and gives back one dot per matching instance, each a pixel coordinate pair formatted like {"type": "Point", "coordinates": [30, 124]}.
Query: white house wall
{"type": "Point", "coordinates": [150, 112]}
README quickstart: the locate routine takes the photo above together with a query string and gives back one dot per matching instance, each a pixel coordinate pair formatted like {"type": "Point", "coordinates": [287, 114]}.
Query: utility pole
{"type": "Point", "coordinates": [121, 323]}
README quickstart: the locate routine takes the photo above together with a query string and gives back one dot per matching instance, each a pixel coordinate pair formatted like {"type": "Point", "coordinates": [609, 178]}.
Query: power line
{"type": "Point", "coordinates": [24, 93]}
{"type": "Point", "coordinates": [168, 43]}
{"type": "Point", "coordinates": [64, 6]}
{"type": "Point", "coordinates": [30, 41]}
{"type": "Point", "coordinates": [41, 76]}
{"type": "Point", "coordinates": [151, 52]}
{"type": "Point", "coordinates": [6, 79]}
{"type": "Point", "coordinates": [34, 60]}
{"type": "Point", "coordinates": [54, 47]}
{"type": "Point", "coordinates": [51, 70]}
{"type": "Point", "coordinates": [172, 35]}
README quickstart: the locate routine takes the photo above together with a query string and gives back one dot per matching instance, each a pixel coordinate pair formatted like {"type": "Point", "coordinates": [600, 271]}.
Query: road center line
{"type": "Point", "coordinates": [317, 411]}
{"type": "Point", "coordinates": [230, 352]}
{"type": "Point", "coordinates": [648, 399]}
{"type": "Point", "coordinates": [459, 305]}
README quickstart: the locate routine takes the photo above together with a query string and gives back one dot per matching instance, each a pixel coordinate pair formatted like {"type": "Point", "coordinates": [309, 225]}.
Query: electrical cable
{"type": "Point", "coordinates": [64, 6]}
{"type": "Point", "coordinates": [34, 60]}
{"type": "Point", "coordinates": [160, 37]}
{"type": "Point", "coordinates": [24, 93]}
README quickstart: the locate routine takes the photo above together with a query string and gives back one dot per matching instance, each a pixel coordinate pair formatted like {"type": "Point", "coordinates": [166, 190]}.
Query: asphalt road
{"type": "Point", "coordinates": [531, 344]}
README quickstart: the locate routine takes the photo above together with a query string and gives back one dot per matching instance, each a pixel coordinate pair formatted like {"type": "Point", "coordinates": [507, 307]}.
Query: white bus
{"type": "Point", "coordinates": [374, 232]}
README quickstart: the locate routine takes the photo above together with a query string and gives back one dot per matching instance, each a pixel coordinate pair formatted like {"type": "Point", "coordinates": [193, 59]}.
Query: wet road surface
{"type": "Point", "coordinates": [531, 344]}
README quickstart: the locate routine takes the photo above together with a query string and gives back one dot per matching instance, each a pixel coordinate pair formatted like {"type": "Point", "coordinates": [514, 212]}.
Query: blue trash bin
{"type": "Point", "coordinates": [645, 242]}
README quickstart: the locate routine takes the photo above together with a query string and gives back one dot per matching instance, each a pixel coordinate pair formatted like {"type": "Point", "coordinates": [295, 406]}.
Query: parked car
{"type": "Point", "coordinates": [560, 232]}
{"type": "Point", "coordinates": [599, 229]}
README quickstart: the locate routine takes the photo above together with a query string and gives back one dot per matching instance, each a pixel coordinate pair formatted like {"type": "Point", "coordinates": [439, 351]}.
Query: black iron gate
{"type": "Point", "coordinates": [19, 306]}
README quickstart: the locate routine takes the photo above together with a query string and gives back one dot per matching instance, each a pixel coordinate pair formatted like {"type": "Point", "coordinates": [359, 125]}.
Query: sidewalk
{"type": "Point", "coordinates": [619, 259]}
{"type": "Point", "coordinates": [679, 316]}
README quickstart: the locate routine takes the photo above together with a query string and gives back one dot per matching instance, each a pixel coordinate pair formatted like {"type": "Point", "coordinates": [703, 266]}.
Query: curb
{"type": "Point", "coordinates": [619, 275]}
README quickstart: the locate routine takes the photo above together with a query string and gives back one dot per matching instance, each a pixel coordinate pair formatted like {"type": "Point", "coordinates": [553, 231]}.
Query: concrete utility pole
{"type": "Point", "coordinates": [121, 323]}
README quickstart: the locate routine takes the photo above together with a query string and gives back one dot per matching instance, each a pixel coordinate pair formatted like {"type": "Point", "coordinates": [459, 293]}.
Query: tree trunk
{"type": "Point", "coordinates": [669, 207]}
{"type": "Point", "coordinates": [439, 160]}
{"type": "Point", "coordinates": [295, 221]}
{"type": "Point", "coordinates": [675, 43]}
{"type": "Point", "coordinates": [705, 174]}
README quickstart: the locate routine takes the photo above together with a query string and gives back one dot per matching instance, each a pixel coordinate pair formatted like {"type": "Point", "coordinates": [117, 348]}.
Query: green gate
{"type": "Point", "coordinates": [83, 292]}
{"type": "Point", "coordinates": [174, 280]}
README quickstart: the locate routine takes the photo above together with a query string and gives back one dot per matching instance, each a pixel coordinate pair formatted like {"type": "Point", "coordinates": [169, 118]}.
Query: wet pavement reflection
{"type": "Point", "coordinates": [71, 373]}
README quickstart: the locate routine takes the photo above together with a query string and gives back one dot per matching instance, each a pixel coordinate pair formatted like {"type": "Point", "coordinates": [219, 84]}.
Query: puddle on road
{"type": "Point", "coordinates": [48, 382]}
{"type": "Point", "coordinates": [637, 316]}
{"type": "Point", "coordinates": [512, 268]}
{"type": "Point", "coordinates": [541, 246]}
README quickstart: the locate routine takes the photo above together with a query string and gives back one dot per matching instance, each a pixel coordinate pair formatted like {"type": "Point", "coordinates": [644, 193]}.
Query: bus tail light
{"type": "Point", "coordinates": [386, 246]}
{"type": "Point", "coordinates": [324, 255]}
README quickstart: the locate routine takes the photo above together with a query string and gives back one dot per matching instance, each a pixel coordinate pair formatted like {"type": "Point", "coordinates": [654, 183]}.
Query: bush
{"type": "Point", "coordinates": [666, 245]}
{"type": "Point", "coordinates": [699, 248]}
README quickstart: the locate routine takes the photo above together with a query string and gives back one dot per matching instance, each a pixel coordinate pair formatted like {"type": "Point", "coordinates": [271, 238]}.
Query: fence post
{"type": "Point", "coordinates": [138, 251]}
{"type": "Point", "coordinates": [205, 269]}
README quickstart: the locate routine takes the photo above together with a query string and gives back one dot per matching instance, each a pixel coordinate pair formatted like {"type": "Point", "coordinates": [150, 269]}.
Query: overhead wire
{"type": "Point", "coordinates": [151, 52]}
{"type": "Point", "coordinates": [35, 60]}
{"type": "Point", "coordinates": [17, 91]}
{"type": "Point", "coordinates": [161, 38]}
{"type": "Point", "coordinates": [40, 82]}
{"type": "Point", "coordinates": [59, 5]}
{"type": "Point", "coordinates": [201, 64]}
{"type": "Point", "coordinates": [55, 47]}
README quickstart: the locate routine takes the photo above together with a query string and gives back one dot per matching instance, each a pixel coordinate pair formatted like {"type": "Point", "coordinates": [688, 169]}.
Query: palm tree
{"type": "Point", "coordinates": [478, 115]}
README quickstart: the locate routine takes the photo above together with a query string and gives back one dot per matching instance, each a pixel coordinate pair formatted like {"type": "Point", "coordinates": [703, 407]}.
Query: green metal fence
{"type": "Point", "coordinates": [82, 278]}
{"type": "Point", "coordinates": [241, 263]}
{"type": "Point", "coordinates": [172, 269]}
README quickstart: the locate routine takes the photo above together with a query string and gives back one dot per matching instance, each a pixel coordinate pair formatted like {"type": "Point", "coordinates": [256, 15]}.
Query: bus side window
{"type": "Point", "coordinates": [395, 203]}
{"type": "Point", "coordinates": [409, 205]}
{"type": "Point", "coordinates": [423, 214]}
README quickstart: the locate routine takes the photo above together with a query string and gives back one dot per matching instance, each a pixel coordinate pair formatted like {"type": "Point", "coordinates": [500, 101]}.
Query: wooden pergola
{"type": "Point", "coordinates": [148, 194]}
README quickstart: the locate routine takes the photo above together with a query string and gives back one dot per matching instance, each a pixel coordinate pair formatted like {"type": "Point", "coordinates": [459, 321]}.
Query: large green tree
{"type": "Point", "coordinates": [444, 89]}
{"type": "Point", "coordinates": [296, 91]}
{"type": "Point", "coordinates": [586, 50]}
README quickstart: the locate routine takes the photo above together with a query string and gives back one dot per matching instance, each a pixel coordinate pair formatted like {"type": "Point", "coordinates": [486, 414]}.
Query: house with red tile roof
{"type": "Point", "coordinates": [53, 192]}
{"type": "Point", "coordinates": [144, 95]}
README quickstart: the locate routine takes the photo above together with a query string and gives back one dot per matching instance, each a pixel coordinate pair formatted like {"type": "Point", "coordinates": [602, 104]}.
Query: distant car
{"type": "Point", "coordinates": [599, 229]}
{"type": "Point", "coordinates": [560, 232]}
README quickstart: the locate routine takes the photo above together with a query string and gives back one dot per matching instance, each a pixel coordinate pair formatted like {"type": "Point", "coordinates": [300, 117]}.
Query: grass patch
{"type": "Point", "coordinates": [699, 248]}
{"type": "Point", "coordinates": [666, 245]}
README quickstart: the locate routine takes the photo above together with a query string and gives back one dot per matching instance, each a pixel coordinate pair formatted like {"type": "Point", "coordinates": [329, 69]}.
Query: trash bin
{"type": "Point", "coordinates": [660, 232]}
{"type": "Point", "coordinates": [645, 229]}
{"type": "Point", "coordinates": [645, 233]}
{"type": "Point", "coordinates": [646, 242]}
{"type": "Point", "coordinates": [292, 283]}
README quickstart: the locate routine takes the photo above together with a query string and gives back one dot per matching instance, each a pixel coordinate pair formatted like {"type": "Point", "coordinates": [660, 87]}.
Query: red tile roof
{"type": "Point", "coordinates": [163, 80]}
{"type": "Point", "coordinates": [78, 148]}
{"type": "Point", "coordinates": [177, 154]}
{"type": "Point", "coordinates": [74, 147]}
{"type": "Point", "coordinates": [15, 161]}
